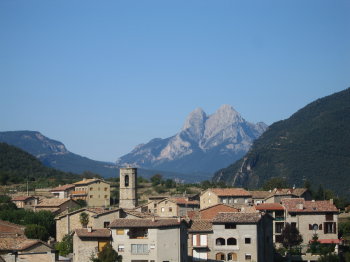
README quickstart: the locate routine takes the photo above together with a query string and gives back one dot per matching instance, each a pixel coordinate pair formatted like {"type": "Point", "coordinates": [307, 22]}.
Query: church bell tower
{"type": "Point", "coordinates": [128, 188]}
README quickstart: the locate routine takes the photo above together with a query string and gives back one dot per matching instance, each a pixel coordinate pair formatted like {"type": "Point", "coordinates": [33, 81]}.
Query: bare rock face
{"type": "Point", "coordinates": [203, 145]}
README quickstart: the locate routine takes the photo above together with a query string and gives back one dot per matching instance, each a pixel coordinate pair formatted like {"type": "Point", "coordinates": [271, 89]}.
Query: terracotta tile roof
{"type": "Point", "coordinates": [193, 214]}
{"type": "Point", "coordinates": [212, 211]}
{"type": "Point", "coordinates": [230, 191]}
{"type": "Point", "coordinates": [22, 198]}
{"type": "Point", "coordinates": [248, 209]}
{"type": "Point", "coordinates": [244, 218]}
{"type": "Point", "coordinates": [7, 228]}
{"type": "Point", "coordinates": [260, 194]}
{"type": "Point", "coordinates": [148, 223]}
{"type": "Point", "coordinates": [53, 202]}
{"type": "Point", "coordinates": [201, 225]}
{"type": "Point", "coordinates": [63, 188]}
{"type": "Point", "coordinates": [299, 205]}
{"type": "Point", "coordinates": [20, 243]}
{"type": "Point", "coordinates": [269, 206]}
{"type": "Point", "coordinates": [288, 191]}
{"type": "Point", "coordinates": [95, 233]}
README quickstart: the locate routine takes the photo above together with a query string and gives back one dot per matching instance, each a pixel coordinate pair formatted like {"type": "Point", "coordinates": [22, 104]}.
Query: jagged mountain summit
{"type": "Point", "coordinates": [204, 144]}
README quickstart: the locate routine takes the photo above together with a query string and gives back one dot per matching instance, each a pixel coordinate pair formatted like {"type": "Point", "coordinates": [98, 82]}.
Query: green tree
{"type": "Point", "coordinates": [108, 254]}
{"type": "Point", "coordinates": [329, 258]}
{"type": "Point", "coordinates": [81, 203]}
{"type": "Point", "coordinates": [290, 236]}
{"type": "Point", "coordinates": [156, 179]}
{"type": "Point", "coordinates": [36, 232]}
{"type": "Point", "coordinates": [84, 219]}
{"type": "Point", "coordinates": [275, 182]}
{"type": "Point", "coordinates": [65, 247]}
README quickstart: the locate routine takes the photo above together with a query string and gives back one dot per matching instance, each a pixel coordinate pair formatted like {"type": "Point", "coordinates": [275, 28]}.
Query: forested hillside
{"type": "Point", "coordinates": [313, 144]}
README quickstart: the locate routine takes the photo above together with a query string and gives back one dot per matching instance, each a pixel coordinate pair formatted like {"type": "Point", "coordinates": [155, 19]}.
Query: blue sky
{"type": "Point", "coordinates": [104, 76]}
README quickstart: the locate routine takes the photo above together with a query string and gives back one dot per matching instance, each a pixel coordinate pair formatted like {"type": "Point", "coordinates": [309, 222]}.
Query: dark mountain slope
{"type": "Point", "coordinates": [313, 144]}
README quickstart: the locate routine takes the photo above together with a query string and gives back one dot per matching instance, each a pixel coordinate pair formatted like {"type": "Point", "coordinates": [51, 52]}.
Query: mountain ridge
{"type": "Point", "coordinates": [203, 144]}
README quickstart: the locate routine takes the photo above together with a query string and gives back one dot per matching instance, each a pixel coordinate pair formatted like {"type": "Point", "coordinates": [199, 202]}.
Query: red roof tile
{"type": "Point", "coordinates": [7, 228]}
{"type": "Point", "coordinates": [301, 206]}
{"type": "Point", "coordinates": [212, 211]}
{"type": "Point", "coordinates": [269, 206]}
{"type": "Point", "coordinates": [201, 226]}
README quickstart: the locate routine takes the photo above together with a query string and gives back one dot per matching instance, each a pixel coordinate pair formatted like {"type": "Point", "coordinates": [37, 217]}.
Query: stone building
{"type": "Point", "coordinates": [98, 218]}
{"type": "Point", "coordinates": [87, 242]}
{"type": "Point", "coordinates": [128, 188]}
{"type": "Point", "coordinates": [150, 240]}
{"type": "Point", "coordinates": [63, 191]}
{"type": "Point", "coordinates": [96, 192]}
{"type": "Point", "coordinates": [313, 217]}
{"type": "Point", "coordinates": [277, 194]}
{"type": "Point", "coordinates": [56, 205]}
{"type": "Point", "coordinates": [229, 196]}
{"type": "Point", "coordinates": [25, 201]}
{"type": "Point", "coordinates": [173, 207]}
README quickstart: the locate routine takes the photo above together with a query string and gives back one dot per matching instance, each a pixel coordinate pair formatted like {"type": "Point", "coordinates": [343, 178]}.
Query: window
{"type": "Point", "coordinates": [154, 205]}
{"type": "Point", "coordinates": [248, 257]}
{"type": "Point", "coordinates": [139, 249]}
{"type": "Point", "coordinates": [126, 181]}
{"type": "Point", "coordinates": [232, 257]}
{"type": "Point", "coordinates": [220, 241]}
{"type": "Point", "coordinates": [138, 233]}
{"type": "Point", "coordinates": [293, 214]}
{"type": "Point", "coordinates": [162, 209]}
{"type": "Point", "coordinates": [279, 227]}
{"type": "Point", "coordinates": [230, 226]}
{"type": "Point", "coordinates": [91, 196]}
{"type": "Point", "coordinates": [91, 189]}
{"type": "Point", "coordinates": [220, 256]}
{"type": "Point", "coordinates": [224, 201]}
{"type": "Point", "coordinates": [247, 240]}
{"type": "Point", "coordinates": [235, 201]}
{"type": "Point", "coordinates": [330, 228]}
{"type": "Point", "coordinates": [121, 248]}
{"type": "Point", "coordinates": [105, 188]}
{"type": "Point", "coordinates": [120, 231]}
{"type": "Point", "coordinates": [170, 209]}
{"type": "Point", "coordinates": [106, 196]}
{"type": "Point", "coordinates": [231, 241]}
{"type": "Point", "coordinates": [105, 224]}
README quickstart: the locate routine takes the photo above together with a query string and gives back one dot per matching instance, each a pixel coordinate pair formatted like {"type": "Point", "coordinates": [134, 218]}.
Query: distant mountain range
{"type": "Point", "coordinates": [54, 154]}
{"type": "Point", "coordinates": [313, 144]}
{"type": "Point", "coordinates": [204, 144]}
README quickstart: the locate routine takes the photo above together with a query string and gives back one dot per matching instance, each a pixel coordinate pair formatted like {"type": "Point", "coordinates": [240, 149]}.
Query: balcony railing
{"type": "Point", "coordinates": [279, 218]}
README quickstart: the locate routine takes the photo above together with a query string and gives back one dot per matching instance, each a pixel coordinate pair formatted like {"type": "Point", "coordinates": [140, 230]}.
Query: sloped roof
{"type": "Point", "coordinates": [299, 205]}
{"type": "Point", "coordinates": [230, 192]}
{"type": "Point", "coordinates": [138, 214]}
{"type": "Point", "coordinates": [180, 201]}
{"type": "Point", "coordinates": [53, 202]}
{"type": "Point", "coordinates": [288, 191]}
{"type": "Point", "coordinates": [244, 218]}
{"type": "Point", "coordinates": [260, 194]}
{"type": "Point", "coordinates": [95, 233]}
{"type": "Point", "coordinates": [63, 188]}
{"type": "Point", "coordinates": [89, 181]}
{"type": "Point", "coordinates": [201, 225]}
{"type": "Point", "coordinates": [22, 198]}
{"type": "Point", "coordinates": [212, 211]}
{"type": "Point", "coordinates": [145, 223]}
{"type": "Point", "coordinates": [18, 243]}
{"type": "Point", "coordinates": [269, 206]}
{"type": "Point", "coordinates": [7, 228]}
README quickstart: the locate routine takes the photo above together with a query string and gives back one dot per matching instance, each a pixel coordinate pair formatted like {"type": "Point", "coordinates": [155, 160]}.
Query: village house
{"type": "Point", "coordinates": [276, 211]}
{"type": "Point", "coordinates": [98, 218]}
{"type": "Point", "coordinates": [156, 239]}
{"type": "Point", "coordinates": [63, 191]}
{"type": "Point", "coordinates": [231, 236]}
{"type": "Point", "coordinates": [25, 201]}
{"type": "Point", "coordinates": [87, 242]}
{"type": "Point", "coordinates": [277, 194]}
{"type": "Point", "coordinates": [313, 217]}
{"type": "Point", "coordinates": [230, 196]}
{"type": "Point", "coordinates": [172, 207]}
{"type": "Point", "coordinates": [258, 197]}
{"type": "Point", "coordinates": [56, 205]}
{"type": "Point", "coordinates": [96, 192]}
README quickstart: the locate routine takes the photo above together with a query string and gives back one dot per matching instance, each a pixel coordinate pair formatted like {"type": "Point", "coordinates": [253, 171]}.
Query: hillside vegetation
{"type": "Point", "coordinates": [313, 144]}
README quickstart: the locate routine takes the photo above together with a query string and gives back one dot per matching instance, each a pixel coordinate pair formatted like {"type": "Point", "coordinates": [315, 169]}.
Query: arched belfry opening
{"type": "Point", "coordinates": [126, 181]}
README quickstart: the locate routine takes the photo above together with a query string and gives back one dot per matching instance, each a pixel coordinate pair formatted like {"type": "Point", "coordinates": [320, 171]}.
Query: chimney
{"type": "Point", "coordinates": [331, 201]}
{"type": "Point", "coordinates": [89, 229]}
{"type": "Point", "coordinates": [300, 206]}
